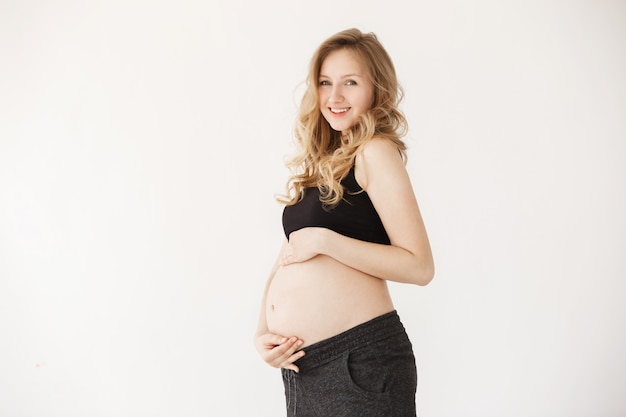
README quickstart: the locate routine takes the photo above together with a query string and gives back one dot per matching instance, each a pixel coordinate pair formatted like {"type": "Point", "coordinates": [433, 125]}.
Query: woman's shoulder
{"type": "Point", "coordinates": [378, 150]}
{"type": "Point", "coordinates": [377, 154]}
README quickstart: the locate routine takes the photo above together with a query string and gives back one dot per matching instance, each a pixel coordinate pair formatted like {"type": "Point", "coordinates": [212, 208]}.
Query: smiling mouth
{"type": "Point", "coordinates": [338, 111]}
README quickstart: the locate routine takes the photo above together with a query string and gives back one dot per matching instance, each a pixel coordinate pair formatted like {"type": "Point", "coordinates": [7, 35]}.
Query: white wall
{"type": "Point", "coordinates": [141, 144]}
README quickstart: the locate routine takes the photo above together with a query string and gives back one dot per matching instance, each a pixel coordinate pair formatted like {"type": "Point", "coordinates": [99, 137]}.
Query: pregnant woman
{"type": "Point", "coordinates": [351, 223]}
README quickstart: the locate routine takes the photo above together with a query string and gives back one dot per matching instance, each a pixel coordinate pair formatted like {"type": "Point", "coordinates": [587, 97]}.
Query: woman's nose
{"type": "Point", "coordinates": [336, 94]}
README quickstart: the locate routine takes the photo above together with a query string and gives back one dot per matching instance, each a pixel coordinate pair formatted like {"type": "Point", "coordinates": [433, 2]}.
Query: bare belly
{"type": "Point", "coordinates": [321, 297]}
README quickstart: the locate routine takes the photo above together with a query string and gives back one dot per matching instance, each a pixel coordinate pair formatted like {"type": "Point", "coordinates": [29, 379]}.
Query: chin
{"type": "Point", "coordinates": [340, 127]}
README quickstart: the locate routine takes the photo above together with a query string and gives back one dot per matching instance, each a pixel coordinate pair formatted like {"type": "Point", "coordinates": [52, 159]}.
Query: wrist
{"type": "Point", "coordinates": [323, 241]}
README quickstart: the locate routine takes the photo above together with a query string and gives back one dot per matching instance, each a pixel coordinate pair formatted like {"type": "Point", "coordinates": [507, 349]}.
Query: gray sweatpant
{"type": "Point", "coordinates": [366, 371]}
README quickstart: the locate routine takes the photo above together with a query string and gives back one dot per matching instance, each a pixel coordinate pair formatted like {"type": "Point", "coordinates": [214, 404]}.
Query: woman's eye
{"type": "Point", "coordinates": [324, 82]}
{"type": "Point", "coordinates": [350, 82]}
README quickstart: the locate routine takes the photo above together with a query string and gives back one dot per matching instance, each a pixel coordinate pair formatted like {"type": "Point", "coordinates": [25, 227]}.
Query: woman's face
{"type": "Point", "coordinates": [344, 88]}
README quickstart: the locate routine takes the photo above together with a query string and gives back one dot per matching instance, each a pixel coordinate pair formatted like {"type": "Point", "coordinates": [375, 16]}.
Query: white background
{"type": "Point", "coordinates": [141, 145]}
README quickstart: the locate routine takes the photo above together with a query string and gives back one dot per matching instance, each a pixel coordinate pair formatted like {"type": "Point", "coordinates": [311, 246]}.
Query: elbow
{"type": "Point", "coordinates": [423, 274]}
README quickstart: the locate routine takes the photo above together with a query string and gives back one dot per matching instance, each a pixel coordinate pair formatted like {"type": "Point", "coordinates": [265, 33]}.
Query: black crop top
{"type": "Point", "coordinates": [355, 216]}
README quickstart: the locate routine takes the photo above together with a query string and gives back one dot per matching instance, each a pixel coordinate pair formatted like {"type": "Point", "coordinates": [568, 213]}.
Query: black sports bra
{"type": "Point", "coordinates": [355, 216]}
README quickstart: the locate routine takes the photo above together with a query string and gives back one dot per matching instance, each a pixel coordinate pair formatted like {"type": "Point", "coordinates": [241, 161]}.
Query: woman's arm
{"type": "Point", "coordinates": [276, 350]}
{"type": "Point", "coordinates": [381, 172]}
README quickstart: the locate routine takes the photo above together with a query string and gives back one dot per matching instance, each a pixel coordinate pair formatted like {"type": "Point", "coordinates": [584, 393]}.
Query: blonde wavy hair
{"type": "Point", "coordinates": [326, 156]}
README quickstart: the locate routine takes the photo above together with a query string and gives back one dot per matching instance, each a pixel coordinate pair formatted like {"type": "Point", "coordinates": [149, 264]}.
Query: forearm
{"type": "Point", "coordinates": [386, 262]}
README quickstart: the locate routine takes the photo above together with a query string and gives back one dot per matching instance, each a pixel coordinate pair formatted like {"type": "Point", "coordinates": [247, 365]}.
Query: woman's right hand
{"type": "Point", "coordinates": [279, 351]}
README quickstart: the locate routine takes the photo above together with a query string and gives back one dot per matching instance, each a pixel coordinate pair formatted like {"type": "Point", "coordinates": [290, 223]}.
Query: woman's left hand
{"type": "Point", "coordinates": [303, 245]}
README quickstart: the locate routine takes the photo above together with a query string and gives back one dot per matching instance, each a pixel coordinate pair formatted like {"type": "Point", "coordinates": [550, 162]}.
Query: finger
{"type": "Point", "coordinates": [271, 339]}
{"type": "Point", "coordinates": [296, 356]}
{"type": "Point", "coordinates": [286, 260]}
{"type": "Point", "coordinates": [293, 368]}
{"type": "Point", "coordinates": [281, 354]}
{"type": "Point", "coordinates": [288, 255]}
{"type": "Point", "coordinates": [286, 349]}
{"type": "Point", "coordinates": [289, 364]}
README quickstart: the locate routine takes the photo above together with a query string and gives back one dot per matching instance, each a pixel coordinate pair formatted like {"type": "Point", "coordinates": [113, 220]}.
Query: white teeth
{"type": "Point", "coordinates": [338, 110]}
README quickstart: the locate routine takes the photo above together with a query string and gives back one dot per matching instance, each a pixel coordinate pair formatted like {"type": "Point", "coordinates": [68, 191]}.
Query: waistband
{"type": "Point", "coordinates": [374, 330]}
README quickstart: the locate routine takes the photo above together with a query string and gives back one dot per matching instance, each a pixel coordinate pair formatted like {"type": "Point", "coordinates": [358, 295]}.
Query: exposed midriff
{"type": "Point", "coordinates": [320, 298]}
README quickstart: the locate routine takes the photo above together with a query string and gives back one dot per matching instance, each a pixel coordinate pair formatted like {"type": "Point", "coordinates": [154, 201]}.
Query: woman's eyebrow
{"type": "Point", "coordinates": [343, 76]}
